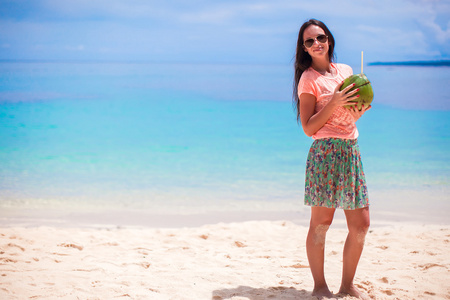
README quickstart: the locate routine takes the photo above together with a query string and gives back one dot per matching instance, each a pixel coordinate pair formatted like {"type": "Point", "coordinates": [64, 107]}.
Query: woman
{"type": "Point", "coordinates": [334, 174]}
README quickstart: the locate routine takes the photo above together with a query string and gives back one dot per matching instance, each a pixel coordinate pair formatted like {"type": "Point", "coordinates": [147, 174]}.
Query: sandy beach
{"type": "Point", "coordinates": [236, 260]}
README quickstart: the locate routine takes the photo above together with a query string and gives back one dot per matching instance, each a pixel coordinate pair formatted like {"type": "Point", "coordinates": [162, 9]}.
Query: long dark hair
{"type": "Point", "coordinates": [303, 60]}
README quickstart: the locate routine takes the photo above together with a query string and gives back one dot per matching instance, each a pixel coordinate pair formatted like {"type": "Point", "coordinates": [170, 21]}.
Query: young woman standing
{"type": "Point", "coordinates": [334, 173]}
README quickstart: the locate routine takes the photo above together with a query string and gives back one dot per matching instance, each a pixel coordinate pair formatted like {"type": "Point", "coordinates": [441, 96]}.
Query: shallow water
{"type": "Point", "coordinates": [198, 138]}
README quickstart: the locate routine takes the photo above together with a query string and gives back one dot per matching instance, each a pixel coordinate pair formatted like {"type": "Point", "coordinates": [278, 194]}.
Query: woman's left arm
{"type": "Point", "coordinates": [358, 113]}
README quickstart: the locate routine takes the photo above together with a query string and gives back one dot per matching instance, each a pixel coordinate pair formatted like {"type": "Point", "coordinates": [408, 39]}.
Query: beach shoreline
{"type": "Point", "coordinates": [98, 217]}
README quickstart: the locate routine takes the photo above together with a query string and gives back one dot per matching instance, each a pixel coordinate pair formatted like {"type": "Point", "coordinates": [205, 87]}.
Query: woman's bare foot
{"type": "Point", "coordinates": [354, 292]}
{"type": "Point", "coordinates": [323, 293]}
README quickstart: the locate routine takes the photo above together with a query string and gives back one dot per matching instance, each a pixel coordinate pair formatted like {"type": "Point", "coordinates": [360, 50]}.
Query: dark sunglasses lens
{"type": "Point", "coordinates": [308, 43]}
{"type": "Point", "coordinates": [322, 38]}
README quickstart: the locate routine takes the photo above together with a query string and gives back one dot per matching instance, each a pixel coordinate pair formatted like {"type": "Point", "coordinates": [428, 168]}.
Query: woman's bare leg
{"type": "Point", "coordinates": [358, 222]}
{"type": "Point", "coordinates": [321, 218]}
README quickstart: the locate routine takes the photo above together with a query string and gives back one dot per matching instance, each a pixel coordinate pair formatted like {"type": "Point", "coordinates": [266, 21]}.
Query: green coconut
{"type": "Point", "coordinates": [365, 90]}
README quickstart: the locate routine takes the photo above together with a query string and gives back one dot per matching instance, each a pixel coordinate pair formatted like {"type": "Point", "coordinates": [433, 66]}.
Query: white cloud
{"type": "Point", "coordinates": [442, 35]}
{"type": "Point", "coordinates": [239, 31]}
{"type": "Point", "coordinates": [434, 18]}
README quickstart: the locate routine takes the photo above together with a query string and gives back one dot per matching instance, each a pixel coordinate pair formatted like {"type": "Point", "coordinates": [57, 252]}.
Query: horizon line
{"type": "Point", "coordinates": [112, 61]}
{"type": "Point", "coordinates": [443, 62]}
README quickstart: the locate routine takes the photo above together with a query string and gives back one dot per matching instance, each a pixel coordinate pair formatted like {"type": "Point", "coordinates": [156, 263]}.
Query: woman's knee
{"type": "Point", "coordinates": [323, 222]}
{"type": "Point", "coordinates": [358, 220]}
{"type": "Point", "coordinates": [317, 234]}
{"type": "Point", "coordinates": [361, 228]}
{"type": "Point", "coordinates": [321, 216]}
{"type": "Point", "coordinates": [321, 219]}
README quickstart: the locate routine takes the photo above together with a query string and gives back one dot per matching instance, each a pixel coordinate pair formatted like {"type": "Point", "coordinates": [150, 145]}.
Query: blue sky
{"type": "Point", "coordinates": [220, 31]}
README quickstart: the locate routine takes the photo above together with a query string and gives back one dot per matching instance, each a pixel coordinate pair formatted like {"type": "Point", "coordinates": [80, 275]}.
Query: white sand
{"type": "Point", "coordinates": [247, 260]}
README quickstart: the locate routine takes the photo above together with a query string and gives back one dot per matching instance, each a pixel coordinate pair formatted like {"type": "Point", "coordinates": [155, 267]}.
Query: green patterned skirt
{"type": "Point", "coordinates": [334, 175]}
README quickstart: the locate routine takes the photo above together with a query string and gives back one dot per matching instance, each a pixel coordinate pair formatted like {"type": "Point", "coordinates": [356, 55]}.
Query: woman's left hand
{"type": "Point", "coordinates": [358, 113]}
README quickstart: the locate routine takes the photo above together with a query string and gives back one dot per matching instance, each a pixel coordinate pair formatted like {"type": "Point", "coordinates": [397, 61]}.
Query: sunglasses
{"type": "Point", "coordinates": [320, 38]}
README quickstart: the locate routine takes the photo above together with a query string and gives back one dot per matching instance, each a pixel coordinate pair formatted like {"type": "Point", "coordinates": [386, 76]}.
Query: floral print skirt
{"type": "Point", "coordinates": [334, 175]}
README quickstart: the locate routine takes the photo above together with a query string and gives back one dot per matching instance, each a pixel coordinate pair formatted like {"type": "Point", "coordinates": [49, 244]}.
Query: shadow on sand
{"type": "Point", "coordinates": [276, 293]}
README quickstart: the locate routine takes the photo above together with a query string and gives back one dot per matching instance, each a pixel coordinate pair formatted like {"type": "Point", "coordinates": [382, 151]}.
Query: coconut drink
{"type": "Point", "coordinates": [365, 90]}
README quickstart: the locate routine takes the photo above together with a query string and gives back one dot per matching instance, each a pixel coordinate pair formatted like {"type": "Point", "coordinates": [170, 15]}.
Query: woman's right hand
{"type": "Point", "coordinates": [344, 97]}
{"type": "Point", "coordinates": [312, 121]}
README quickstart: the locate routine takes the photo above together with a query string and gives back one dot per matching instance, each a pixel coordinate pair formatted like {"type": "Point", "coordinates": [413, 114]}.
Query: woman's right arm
{"type": "Point", "coordinates": [311, 122]}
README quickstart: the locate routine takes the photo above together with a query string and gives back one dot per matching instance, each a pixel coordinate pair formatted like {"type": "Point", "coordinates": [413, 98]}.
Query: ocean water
{"type": "Point", "coordinates": [187, 139]}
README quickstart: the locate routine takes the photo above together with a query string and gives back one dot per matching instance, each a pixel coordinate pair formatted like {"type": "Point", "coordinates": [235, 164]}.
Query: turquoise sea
{"type": "Point", "coordinates": [193, 138]}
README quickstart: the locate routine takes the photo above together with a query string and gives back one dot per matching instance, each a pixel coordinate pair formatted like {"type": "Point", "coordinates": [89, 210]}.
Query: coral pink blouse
{"type": "Point", "coordinates": [341, 124]}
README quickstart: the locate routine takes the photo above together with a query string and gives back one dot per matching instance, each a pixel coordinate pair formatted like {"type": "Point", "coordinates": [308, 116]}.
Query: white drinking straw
{"type": "Point", "coordinates": [362, 62]}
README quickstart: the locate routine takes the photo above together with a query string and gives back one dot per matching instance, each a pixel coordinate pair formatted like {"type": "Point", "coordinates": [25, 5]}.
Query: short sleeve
{"type": "Point", "coordinates": [345, 70]}
{"type": "Point", "coordinates": [307, 85]}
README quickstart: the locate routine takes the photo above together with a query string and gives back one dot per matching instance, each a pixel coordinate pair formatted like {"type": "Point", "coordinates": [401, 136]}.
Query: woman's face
{"type": "Point", "coordinates": [317, 49]}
